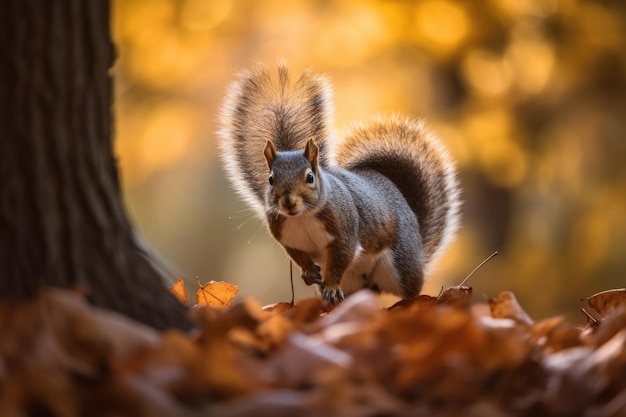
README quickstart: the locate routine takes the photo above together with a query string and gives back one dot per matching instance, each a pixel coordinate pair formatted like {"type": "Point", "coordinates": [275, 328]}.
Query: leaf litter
{"type": "Point", "coordinates": [426, 356]}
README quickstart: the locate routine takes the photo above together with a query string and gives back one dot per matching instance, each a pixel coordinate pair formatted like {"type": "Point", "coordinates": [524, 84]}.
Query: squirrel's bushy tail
{"type": "Point", "coordinates": [412, 157]}
{"type": "Point", "coordinates": [264, 104]}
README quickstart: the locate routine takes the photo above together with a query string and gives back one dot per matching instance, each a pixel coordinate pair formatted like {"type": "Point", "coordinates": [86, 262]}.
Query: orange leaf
{"type": "Point", "coordinates": [218, 294]}
{"type": "Point", "coordinates": [178, 290]}
{"type": "Point", "coordinates": [606, 301]}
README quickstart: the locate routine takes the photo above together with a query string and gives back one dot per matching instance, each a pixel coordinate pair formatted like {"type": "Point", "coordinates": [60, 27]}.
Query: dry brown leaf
{"type": "Point", "coordinates": [178, 289]}
{"type": "Point", "coordinates": [609, 327]}
{"type": "Point", "coordinates": [457, 296]}
{"type": "Point", "coordinates": [217, 322]}
{"type": "Point", "coordinates": [417, 304]}
{"type": "Point", "coordinates": [213, 293]}
{"type": "Point", "coordinates": [305, 312]}
{"type": "Point", "coordinates": [505, 306]}
{"type": "Point", "coordinates": [480, 310]}
{"type": "Point", "coordinates": [360, 306]}
{"type": "Point", "coordinates": [607, 301]}
{"type": "Point", "coordinates": [431, 342]}
{"type": "Point", "coordinates": [274, 331]}
{"type": "Point", "coordinates": [278, 308]}
{"type": "Point", "coordinates": [302, 356]}
{"type": "Point", "coordinates": [554, 334]}
{"type": "Point", "coordinates": [265, 336]}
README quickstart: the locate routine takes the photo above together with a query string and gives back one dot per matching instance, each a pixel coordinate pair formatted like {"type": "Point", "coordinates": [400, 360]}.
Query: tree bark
{"type": "Point", "coordinates": [62, 221]}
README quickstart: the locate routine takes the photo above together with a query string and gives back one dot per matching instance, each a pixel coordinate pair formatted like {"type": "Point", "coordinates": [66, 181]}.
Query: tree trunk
{"type": "Point", "coordinates": [62, 221]}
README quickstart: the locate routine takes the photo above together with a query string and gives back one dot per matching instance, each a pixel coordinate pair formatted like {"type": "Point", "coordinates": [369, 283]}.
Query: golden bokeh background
{"type": "Point", "coordinates": [529, 95]}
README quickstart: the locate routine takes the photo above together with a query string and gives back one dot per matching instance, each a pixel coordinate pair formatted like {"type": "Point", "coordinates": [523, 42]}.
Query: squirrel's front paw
{"type": "Point", "coordinates": [312, 275]}
{"type": "Point", "coordinates": [332, 295]}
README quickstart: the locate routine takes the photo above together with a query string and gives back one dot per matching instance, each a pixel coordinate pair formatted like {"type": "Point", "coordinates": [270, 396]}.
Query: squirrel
{"type": "Point", "coordinates": [372, 209]}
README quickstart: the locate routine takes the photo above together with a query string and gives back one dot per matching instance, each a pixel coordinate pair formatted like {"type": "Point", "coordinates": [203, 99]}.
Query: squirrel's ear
{"type": "Point", "coordinates": [310, 152]}
{"type": "Point", "coordinates": [270, 153]}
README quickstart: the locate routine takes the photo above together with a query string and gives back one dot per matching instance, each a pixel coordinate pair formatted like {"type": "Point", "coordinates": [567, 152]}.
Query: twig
{"type": "Point", "coordinates": [478, 267]}
{"type": "Point", "coordinates": [293, 293]}
{"type": "Point", "coordinates": [592, 319]}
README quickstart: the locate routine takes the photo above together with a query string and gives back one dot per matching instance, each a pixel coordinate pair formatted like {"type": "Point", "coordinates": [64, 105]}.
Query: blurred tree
{"type": "Point", "coordinates": [62, 220]}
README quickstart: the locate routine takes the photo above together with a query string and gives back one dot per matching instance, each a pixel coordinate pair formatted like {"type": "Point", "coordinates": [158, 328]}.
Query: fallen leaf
{"type": "Point", "coordinates": [217, 322]}
{"type": "Point", "coordinates": [606, 301]}
{"type": "Point", "coordinates": [178, 289]}
{"type": "Point", "coordinates": [480, 310]}
{"type": "Point", "coordinates": [609, 327]}
{"type": "Point", "coordinates": [305, 312]}
{"type": "Point", "coordinates": [219, 294]}
{"type": "Point", "coordinates": [417, 304]}
{"type": "Point", "coordinates": [360, 306]}
{"type": "Point", "coordinates": [457, 296]}
{"type": "Point", "coordinates": [278, 308]}
{"type": "Point", "coordinates": [302, 356]}
{"type": "Point", "coordinates": [554, 334]}
{"type": "Point", "coordinates": [505, 306]}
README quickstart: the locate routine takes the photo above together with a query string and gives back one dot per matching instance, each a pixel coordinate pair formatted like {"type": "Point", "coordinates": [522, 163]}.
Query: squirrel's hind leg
{"type": "Point", "coordinates": [374, 271]}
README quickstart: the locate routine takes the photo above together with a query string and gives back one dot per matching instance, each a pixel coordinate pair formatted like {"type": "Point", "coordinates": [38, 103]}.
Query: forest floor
{"type": "Point", "coordinates": [427, 356]}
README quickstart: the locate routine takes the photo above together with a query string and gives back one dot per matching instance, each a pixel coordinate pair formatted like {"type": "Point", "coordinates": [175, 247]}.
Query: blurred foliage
{"type": "Point", "coordinates": [530, 96]}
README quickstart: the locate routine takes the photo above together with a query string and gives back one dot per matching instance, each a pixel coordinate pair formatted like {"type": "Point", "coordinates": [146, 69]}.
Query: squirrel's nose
{"type": "Point", "coordinates": [289, 201]}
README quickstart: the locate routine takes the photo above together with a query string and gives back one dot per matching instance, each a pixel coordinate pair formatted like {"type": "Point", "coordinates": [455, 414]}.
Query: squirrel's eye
{"type": "Point", "coordinates": [310, 177]}
{"type": "Point", "coordinates": [271, 179]}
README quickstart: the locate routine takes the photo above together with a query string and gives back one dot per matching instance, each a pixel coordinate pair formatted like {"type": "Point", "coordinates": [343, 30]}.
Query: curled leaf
{"type": "Point", "coordinates": [457, 296]}
{"type": "Point", "coordinates": [607, 301]}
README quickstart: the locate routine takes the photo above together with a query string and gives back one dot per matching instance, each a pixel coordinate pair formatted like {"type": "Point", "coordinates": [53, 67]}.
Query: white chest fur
{"type": "Point", "coordinates": [307, 234]}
